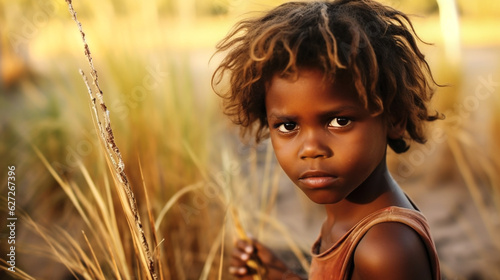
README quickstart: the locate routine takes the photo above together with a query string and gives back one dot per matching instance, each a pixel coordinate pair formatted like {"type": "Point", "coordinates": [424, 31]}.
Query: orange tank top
{"type": "Point", "coordinates": [335, 263]}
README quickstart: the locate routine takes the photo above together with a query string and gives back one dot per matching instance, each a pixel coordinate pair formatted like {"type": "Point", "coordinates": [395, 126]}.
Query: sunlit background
{"type": "Point", "coordinates": [154, 60]}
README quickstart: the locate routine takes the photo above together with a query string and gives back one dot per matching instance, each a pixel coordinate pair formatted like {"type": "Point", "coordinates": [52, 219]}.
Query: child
{"type": "Point", "coordinates": [332, 84]}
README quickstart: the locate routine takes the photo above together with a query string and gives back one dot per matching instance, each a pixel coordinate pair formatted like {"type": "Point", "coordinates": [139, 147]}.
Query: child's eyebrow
{"type": "Point", "coordinates": [341, 110]}
{"type": "Point", "coordinates": [338, 111]}
{"type": "Point", "coordinates": [282, 117]}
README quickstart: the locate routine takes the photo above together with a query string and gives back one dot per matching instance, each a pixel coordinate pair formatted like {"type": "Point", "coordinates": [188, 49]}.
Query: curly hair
{"type": "Point", "coordinates": [375, 44]}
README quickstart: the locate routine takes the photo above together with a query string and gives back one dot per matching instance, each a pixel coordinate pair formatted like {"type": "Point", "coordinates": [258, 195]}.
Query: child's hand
{"type": "Point", "coordinates": [271, 267]}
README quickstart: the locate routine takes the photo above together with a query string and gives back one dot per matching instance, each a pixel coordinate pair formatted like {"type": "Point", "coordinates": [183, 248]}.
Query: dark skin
{"type": "Point", "coordinates": [334, 150]}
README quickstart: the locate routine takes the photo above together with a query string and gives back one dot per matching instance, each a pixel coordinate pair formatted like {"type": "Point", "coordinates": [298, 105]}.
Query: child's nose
{"type": "Point", "coordinates": [315, 145]}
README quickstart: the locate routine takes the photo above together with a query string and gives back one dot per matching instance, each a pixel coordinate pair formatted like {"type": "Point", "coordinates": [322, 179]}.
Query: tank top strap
{"type": "Point", "coordinates": [409, 217]}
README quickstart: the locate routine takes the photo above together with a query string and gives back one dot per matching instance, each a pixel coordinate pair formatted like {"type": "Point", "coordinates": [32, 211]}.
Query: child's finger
{"type": "Point", "coordinates": [238, 271]}
{"type": "Point", "coordinates": [244, 246]}
{"type": "Point", "coordinates": [240, 257]}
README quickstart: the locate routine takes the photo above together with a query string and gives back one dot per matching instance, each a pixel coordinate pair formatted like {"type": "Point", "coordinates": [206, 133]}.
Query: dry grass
{"type": "Point", "coordinates": [127, 196]}
{"type": "Point", "coordinates": [111, 242]}
{"type": "Point", "coordinates": [184, 167]}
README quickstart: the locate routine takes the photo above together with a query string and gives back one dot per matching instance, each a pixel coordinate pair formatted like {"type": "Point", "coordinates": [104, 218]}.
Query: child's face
{"type": "Point", "coordinates": [324, 138]}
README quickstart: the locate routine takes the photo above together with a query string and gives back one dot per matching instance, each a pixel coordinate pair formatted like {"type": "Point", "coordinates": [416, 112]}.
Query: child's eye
{"type": "Point", "coordinates": [287, 127]}
{"type": "Point", "coordinates": [340, 122]}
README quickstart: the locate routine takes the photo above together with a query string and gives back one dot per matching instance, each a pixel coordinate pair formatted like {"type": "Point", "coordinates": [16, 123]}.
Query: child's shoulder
{"type": "Point", "coordinates": [391, 251]}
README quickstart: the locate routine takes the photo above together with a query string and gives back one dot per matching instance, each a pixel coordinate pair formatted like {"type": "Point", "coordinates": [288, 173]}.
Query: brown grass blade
{"type": "Point", "coordinates": [101, 274]}
{"type": "Point", "coordinates": [114, 155]}
{"type": "Point", "coordinates": [205, 272]}
{"type": "Point", "coordinates": [52, 245]}
{"type": "Point", "coordinates": [171, 202]}
{"type": "Point", "coordinates": [153, 229]}
{"type": "Point", "coordinates": [64, 185]}
{"type": "Point", "coordinates": [18, 274]}
{"type": "Point", "coordinates": [222, 246]}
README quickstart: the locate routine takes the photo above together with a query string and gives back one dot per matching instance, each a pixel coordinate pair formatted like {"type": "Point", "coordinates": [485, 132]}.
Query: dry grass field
{"type": "Point", "coordinates": [195, 185]}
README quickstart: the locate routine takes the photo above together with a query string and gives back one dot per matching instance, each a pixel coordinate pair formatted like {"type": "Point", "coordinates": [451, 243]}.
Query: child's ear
{"type": "Point", "coordinates": [397, 128]}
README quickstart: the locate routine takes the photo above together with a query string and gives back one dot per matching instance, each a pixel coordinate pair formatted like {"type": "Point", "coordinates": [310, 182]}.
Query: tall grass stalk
{"type": "Point", "coordinates": [114, 155]}
{"type": "Point", "coordinates": [474, 190]}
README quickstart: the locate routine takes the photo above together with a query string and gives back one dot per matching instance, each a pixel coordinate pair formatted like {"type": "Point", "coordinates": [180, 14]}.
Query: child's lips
{"type": "Point", "coordinates": [317, 179]}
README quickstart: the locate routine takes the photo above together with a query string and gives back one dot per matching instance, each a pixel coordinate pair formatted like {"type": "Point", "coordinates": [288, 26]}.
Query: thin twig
{"type": "Point", "coordinates": [108, 139]}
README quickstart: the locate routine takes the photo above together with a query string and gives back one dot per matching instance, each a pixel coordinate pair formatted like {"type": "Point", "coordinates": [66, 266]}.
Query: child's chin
{"type": "Point", "coordinates": [319, 198]}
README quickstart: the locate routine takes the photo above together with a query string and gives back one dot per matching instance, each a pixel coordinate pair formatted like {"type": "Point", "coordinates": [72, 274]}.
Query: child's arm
{"type": "Point", "coordinates": [273, 267]}
{"type": "Point", "coordinates": [391, 251]}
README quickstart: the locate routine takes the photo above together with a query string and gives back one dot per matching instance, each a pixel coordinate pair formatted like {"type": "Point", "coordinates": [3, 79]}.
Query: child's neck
{"type": "Point", "coordinates": [378, 191]}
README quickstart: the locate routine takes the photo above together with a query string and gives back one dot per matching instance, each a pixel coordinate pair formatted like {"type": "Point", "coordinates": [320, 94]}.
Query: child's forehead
{"type": "Point", "coordinates": [341, 82]}
{"type": "Point", "coordinates": [311, 81]}
{"type": "Point", "coordinates": [339, 77]}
